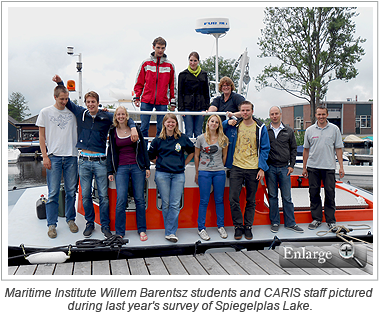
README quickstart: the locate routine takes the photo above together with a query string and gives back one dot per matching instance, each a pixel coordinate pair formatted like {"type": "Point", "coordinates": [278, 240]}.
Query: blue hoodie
{"type": "Point", "coordinates": [262, 142]}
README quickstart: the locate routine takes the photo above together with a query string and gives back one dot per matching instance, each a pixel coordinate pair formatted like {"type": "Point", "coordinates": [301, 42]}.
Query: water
{"type": "Point", "coordinates": [26, 174]}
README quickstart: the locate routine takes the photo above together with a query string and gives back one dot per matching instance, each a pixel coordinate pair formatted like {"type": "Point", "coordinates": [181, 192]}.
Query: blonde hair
{"type": "Point", "coordinates": [222, 138]}
{"type": "Point", "coordinates": [115, 122]}
{"type": "Point", "coordinates": [177, 133]}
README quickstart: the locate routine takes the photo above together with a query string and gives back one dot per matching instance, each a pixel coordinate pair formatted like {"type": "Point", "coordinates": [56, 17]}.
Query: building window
{"type": "Point", "coordinates": [364, 121]}
{"type": "Point", "coordinates": [298, 123]}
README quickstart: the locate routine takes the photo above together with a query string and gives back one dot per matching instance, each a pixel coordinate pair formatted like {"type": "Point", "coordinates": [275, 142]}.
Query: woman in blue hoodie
{"type": "Point", "coordinates": [126, 159]}
{"type": "Point", "coordinates": [171, 151]}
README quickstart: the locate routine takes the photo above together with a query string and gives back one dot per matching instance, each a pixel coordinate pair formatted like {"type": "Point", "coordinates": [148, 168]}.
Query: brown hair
{"type": "Point", "coordinates": [222, 138]}
{"type": "Point", "coordinates": [227, 81]}
{"type": "Point", "coordinates": [59, 89]}
{"type": "Point", "coordinates": [160, 41]}
{"type": "Point", "coordinates": [246, 102]}
{"type": "Point", "coordinates": [195, 54]}
{"type": "Point", "coordinates": [92, 94]}
{"type": "Point", "coordinates": [115, 122]}
{"type": "Point", "coordinates": [177, 133]}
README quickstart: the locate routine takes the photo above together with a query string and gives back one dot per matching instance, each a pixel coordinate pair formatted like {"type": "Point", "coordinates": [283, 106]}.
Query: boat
{"type": "Point", "coordinates": [358, 175]}
{"type": "Point", "coordinates": [13, 155]}
{"type": "Point", "coordinates": [27, 234]}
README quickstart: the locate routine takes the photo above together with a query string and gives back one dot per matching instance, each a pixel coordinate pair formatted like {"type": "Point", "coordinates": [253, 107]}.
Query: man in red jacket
{"type": "Point", "coordinates": [155, 85]}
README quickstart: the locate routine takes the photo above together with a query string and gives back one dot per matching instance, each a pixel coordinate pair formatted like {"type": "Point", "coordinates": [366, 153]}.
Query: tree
{"type": "Point", "coordinates": [17, 106]}
{"type": "Point", "coordinates": [314, 45]}
{"type": "Point", "coordinates": [226, 67]}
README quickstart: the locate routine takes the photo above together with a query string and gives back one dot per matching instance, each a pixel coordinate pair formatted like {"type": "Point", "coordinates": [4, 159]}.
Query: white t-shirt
{"type": "Point", "coordinates": [60, 131]}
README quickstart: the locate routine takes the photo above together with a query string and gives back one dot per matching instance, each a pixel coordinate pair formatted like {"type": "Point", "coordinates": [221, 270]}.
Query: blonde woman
{"type": "Point", "coordinates": [209, 159]}
{"type": "Point", "coordinates": [127, 159]}
{"type": "Point", "coordinates": [168, 152]}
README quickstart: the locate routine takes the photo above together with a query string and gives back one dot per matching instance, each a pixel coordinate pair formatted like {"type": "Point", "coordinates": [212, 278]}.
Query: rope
{"type": "Point", "coordinates": [341, 232]}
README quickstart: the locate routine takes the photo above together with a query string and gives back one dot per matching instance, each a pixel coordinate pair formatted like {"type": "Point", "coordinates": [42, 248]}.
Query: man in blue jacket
{"type": "Point", "coordinates": [93, 125]}
{"type": "Point", "coordinates": [247, 157]}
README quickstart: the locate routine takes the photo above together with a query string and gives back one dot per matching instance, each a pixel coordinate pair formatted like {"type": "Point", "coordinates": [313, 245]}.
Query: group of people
{"type": "Point", "coordinates": [240, 143]}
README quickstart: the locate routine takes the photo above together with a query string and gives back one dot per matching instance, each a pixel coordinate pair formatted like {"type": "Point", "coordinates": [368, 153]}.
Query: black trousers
{"type": "Point", "coordinates": [238, 177]}
{"type": "Point", "coordinates": [328, 178]}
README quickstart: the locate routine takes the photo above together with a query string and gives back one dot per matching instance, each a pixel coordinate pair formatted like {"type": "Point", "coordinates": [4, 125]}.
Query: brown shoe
{"type": "Point", "coordinates": [52, 233]}
{"type": "Point", "coordinates": [73, 227]}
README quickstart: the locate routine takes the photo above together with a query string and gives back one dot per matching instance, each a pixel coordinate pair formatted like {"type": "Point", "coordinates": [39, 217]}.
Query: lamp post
{"type": "Point", "coordinates": [216, 27]}
{"type": "Point", "coordinates": [70, 51]}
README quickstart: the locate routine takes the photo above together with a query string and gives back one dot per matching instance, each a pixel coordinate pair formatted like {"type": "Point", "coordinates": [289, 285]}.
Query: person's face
{"type": "Point", "coordinates": [321, 115]}
{"type": "Point", "coordinates": [159, 50]}
{"type": "Point", "coordinates": [226, 89]}
{"type": "Point", "coordinates": [62, 99]}
{"type": "Point", "coordinates": [92, 105]}
{"type": "Point", "coordinates": [246, 111]}
{"type": "Point", "coordinates": [193, 62]}
{"type": "Point", "coordinates": [213, 123]}
{"type": "Point", "coordinates": [121, 116]}
{"type": "Point", "coordinates": [170, 124]}
{"type": "Point", "coordinates": [275, 115]}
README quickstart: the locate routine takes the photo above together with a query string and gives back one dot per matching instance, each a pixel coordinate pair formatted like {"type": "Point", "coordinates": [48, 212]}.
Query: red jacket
{"type": "Point", "coordinates": [152, 87]}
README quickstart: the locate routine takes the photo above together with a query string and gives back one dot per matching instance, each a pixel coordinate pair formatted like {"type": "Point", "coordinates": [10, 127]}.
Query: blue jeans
{"type": "Point", "coordinates": [145, 118]}
{"type": "Point", "coordinates": [124, 172]}
{"type": "Point", "coordinates": [87, 171]}
{"type": "Point", "coordinates": [218, 180]}
{"type": "Point", "coordinates": [69, 167]}
{"type": "Point", "coordinates": [277, 176]}
{"type": "Point", "coordinates": [170, 186]}
{"type": "Point", "coordinates": [193, 125]}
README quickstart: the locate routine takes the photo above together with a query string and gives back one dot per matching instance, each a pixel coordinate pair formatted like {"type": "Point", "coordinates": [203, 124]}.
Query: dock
{"type": "Point", "coordinates": [245, 263]}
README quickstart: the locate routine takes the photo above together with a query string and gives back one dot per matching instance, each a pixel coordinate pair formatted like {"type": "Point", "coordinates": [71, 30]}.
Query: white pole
{"type": "Point", "coordinates": [80, 82]}
{"type": "Point", "coordinates": [216, 35]}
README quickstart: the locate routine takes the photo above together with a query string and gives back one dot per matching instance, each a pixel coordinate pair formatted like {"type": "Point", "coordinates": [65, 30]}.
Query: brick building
{"type": "Point", "coordinates": [352, 117]}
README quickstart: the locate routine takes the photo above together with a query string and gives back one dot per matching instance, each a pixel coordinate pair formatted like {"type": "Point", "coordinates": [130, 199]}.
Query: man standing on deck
{"type": "Point", "coordinates": [322, 141]}
{"type": "Point", "coordinates": [58, 136]}
{"type": "Point", "coordinates": [247, 157]}
{"type": "Point", "coordinates": [154, 84]}
{"type": "Point", "coordinates": [93, 125]}
{"type": "Point", "coordinates": [281, 161]}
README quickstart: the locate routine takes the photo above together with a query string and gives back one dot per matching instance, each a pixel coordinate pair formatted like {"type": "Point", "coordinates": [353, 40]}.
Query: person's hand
{"type": "Point", "coordinates": [260, 174]}
{"type": "Point", "coordinates": [290, 171]}
{"type": "Point", "coordinates": [110, 177]}
{"type": "Point", "coordinates": [341, 172]}
{"type": "Point", "coordinates": [232, 122]}
{"type": "Point", "coordinates": [147, 174]}
{"type": "Point", "coordinates": [137, 102]}
{"type": "Point", "coordinates": [304, 173]}
{"type": "Point", "coordinates": [134, 134]}
{"type": "Point", "coordinates": [57, 78]}
{"type": "Point", "coordinates": [196, 178]}
{"type": "Point", "coordinates": [46, 162]}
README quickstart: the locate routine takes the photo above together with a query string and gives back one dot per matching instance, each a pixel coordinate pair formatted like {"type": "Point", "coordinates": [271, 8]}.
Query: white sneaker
{"type": "Point", "coordinates": [222, 232]}
{"type": "Point", "coordinates": [172, 238]}
{"type": "Point", "coordinates": [203, 234]}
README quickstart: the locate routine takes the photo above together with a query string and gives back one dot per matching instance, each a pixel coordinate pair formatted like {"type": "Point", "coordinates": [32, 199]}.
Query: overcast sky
{"type": "Point", "coordinates": [115, 38]}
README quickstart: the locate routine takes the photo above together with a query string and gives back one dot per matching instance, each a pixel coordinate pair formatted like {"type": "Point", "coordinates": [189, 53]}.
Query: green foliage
{"type": "Point", "coordinates": [314, 45]}
{"type": "Point", "coordinates": [300, 136]}
{"type": "Point", "coordinates": [17, 106]}
{"type": "Point", "coordinates": [226, 68]}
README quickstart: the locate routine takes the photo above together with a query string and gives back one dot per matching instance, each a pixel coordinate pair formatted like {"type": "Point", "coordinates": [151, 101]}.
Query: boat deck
{"type": "Point", "coordinates": [25, 228]}
{"type": "Point", "coordinates": [256, 262]}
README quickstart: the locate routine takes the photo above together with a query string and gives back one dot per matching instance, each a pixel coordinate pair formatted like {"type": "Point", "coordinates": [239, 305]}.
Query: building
{"type": "Point", "coordinates": [352, 117]}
